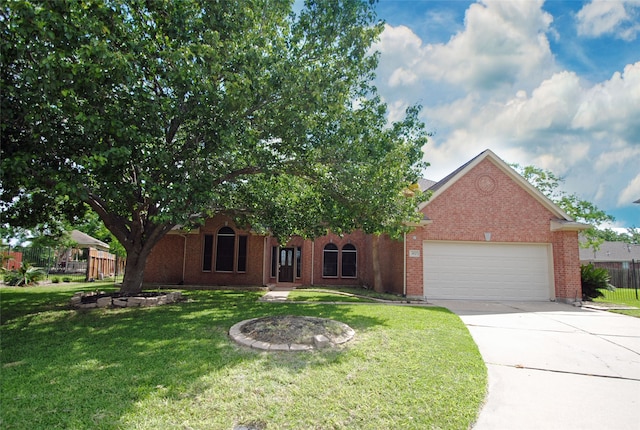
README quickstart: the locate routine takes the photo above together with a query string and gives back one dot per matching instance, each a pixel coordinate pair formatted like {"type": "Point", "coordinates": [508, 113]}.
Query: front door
{"type": "Point", "coordinates": [285, 273]}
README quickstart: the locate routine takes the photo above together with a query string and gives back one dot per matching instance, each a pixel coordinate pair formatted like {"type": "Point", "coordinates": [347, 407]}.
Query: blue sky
{"type": "Point", "coordinates": [554, 84]}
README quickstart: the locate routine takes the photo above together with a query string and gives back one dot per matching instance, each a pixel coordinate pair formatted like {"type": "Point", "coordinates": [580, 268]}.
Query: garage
{"type": "Point", "coordinates": [487, 271]}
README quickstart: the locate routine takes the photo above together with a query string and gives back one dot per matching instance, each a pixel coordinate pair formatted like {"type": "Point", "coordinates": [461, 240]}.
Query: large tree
{"type": "Point", "coordinates": [159, 113]}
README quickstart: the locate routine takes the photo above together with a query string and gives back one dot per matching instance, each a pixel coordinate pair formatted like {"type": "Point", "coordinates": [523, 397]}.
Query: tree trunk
{"type": "Point", "coordinates": [134, 271]}
{"type": "Point", "coordinates": [138, 237]}
{"type": "Point", "coordinates": [377, 275]}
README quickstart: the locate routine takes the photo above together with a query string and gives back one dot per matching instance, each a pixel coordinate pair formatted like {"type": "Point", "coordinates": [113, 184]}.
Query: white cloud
{"type": "Point", "coordinates": [631, 193]}
{"type": "Point", "coordinates": [613, 104]}
{"type": "Point", "coordinates": [534, 114]}
{"type": "Point", "coordinates": [616, 155]}
{"type": "Point", "coordinates": [402, 77]}
{"type": "Point", "coordinates": [503, 44]}
{"type": "Point", "coordinates": [613, 17]}
{"type": "Point", "coordinates": [550, 128]}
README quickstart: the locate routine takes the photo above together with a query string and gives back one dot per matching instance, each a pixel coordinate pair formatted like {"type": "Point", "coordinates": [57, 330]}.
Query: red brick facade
{"type": "Point", "coordinates": [178, 259]}
{"type": "Point", "coordinates": [486, 197]}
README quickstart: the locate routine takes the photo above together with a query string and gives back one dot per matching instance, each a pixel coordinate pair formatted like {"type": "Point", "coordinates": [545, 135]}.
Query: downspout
{"type": "Point", "coordinates": [313, 259]}
{"type": "Point", "coordinates": [404, 267]}
{"type": "Point", "coordinates": [265, 279]}
{"type": "Point", "coordinates": [184, 256]}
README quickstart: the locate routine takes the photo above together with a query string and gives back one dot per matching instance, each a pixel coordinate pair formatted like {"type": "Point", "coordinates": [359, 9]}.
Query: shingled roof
{"type": "Point", "coordinates": [611, 252]}
{"type": "Point", "coordinates": [85, 241]}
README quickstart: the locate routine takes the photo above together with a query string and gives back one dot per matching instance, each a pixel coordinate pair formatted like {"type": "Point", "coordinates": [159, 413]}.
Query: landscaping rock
{"type": "Point", "coordinates": [87, 305]}
{"type": "Point", "coordinates": [104, 302]}
{"type": "Point", "coordinates": [278, 347]}
{"type": "Point", "coordinates": [101, 299]}
{"type": "Point", "coordinates": [120, 302]}
{"type": "Point", "coordinates": [321, 341]}
{"type": "Point", "coordinates": [135, 301]}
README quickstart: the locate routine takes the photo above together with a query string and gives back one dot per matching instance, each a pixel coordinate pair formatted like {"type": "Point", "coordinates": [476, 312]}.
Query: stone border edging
{"type": "Point", "coordinates": [113, 301]}
{"type": "Point", "coordinates": [236, 334]}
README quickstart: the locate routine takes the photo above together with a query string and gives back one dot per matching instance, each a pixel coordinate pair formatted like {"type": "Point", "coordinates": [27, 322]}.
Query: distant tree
{"type": "Point", "coordinates": [580, 210]}
{"type": "Point", "coordinates": [157, 114]}
{"type": "Point", "coordinates": [634, 235]}
{"type": "Point", "coordinates": [609, 235]}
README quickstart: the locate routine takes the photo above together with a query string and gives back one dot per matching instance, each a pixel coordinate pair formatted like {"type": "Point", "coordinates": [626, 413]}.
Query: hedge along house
{"type": "Point", "coordinates": [486, 234]}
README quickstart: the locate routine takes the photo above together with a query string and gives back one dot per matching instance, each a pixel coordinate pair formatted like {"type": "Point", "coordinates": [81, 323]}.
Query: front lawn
{"type": "Point", "coordinates": [174, 367]}
{"type": "Point", "coordinates": [356, 291]}
{"type": "Point", "coordinates": [313, 295]}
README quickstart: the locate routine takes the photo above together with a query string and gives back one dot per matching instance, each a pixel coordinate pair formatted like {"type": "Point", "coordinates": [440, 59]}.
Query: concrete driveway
{"type": "Point", "coordinates": [555, 366]}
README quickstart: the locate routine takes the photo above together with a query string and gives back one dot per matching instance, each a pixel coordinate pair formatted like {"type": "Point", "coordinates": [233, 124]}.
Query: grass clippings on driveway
{"type": "Point", "coordinates": [174, 366]}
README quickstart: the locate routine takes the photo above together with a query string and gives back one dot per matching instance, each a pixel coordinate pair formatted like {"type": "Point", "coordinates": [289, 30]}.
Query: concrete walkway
{"type": "Point", "coordinates": [555, 366]}
{"type": "Point", "coordinates": [277, 295]}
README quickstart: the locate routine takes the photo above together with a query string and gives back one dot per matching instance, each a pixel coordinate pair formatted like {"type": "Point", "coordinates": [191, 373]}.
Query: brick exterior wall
{"type": "Point", "coordinates": [165, 263]}
{"type": "Point", "coordinates": [487, 200]}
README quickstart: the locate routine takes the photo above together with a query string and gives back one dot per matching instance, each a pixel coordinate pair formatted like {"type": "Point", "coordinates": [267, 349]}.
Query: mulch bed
{"type": "Point", "coordinates": [289, 329]}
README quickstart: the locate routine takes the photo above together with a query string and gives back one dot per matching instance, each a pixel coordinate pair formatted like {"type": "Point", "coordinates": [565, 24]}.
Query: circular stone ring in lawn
{"type": "Point", "coordinates": [290, 333]}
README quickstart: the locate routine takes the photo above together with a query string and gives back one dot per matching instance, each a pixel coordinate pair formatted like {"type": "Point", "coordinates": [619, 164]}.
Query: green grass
{"type": "Point", "coordinates": [17, 301]}
{"type": "Point", "coordinates": [323, 296]}
{"type": "Point", "coordinates": [357, 291]}
{"type": "Point", "coordinates": [174, 367]}
{"type": "Point", "coordinates": [621, 297]}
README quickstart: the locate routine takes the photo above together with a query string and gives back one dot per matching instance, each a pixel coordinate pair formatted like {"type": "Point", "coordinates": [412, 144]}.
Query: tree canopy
{"type": "Point", "coordinates": [157, 114]}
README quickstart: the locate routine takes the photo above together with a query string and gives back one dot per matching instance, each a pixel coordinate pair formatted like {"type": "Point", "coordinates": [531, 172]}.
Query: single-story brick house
{"type": "Point", "coordinates": [622, 261]}
{"type": "Point", "coordinates": [611, 255]}
{"type": "Point", "coordinates": [486, 234]}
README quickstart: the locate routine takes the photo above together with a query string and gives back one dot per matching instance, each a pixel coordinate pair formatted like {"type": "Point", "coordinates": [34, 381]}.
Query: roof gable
{"type": "Point", "coordinates": [85, 241]}
{"type": "Point", "coordinates": [441, 186]}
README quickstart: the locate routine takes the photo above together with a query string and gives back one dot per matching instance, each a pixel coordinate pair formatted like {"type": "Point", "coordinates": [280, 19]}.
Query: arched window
{"type": "Point", "coordinates": [349, 261]}
{"type": "Point", "coordinates": [330, 260]}
{"type": "Point", "coordinates": [225, 249]}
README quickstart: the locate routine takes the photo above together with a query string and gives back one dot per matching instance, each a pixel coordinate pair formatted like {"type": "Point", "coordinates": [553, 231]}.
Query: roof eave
{"type": "Point", "coordinates": [564, 225]}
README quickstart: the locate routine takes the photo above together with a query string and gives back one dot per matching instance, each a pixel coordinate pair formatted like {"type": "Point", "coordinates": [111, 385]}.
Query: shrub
{"type": "Point", "coordinates": [25, 275]}
{"type": "Point", "coordinates": [66, 279]}
{"type": "Point", "coordinates": [593, 280]}
{"type": "Point", "coordinates": [55, 280]}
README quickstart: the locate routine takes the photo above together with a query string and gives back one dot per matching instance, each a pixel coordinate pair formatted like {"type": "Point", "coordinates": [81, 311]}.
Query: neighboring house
{"type": "Point", "coordinates": [85, 241]}
{"type": "Point", "coordinates": [89, 255]}
{"type": "Point", "coordinates": [622, 261]}
{"type": "Point", "coordinates": [615, 255]}
{"type": "Point", "coordinates": [486, 234]}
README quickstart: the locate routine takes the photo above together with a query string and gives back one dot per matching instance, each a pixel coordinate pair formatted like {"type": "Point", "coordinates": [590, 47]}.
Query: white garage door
{"type": "Point", "coordinates": [487, 271]}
